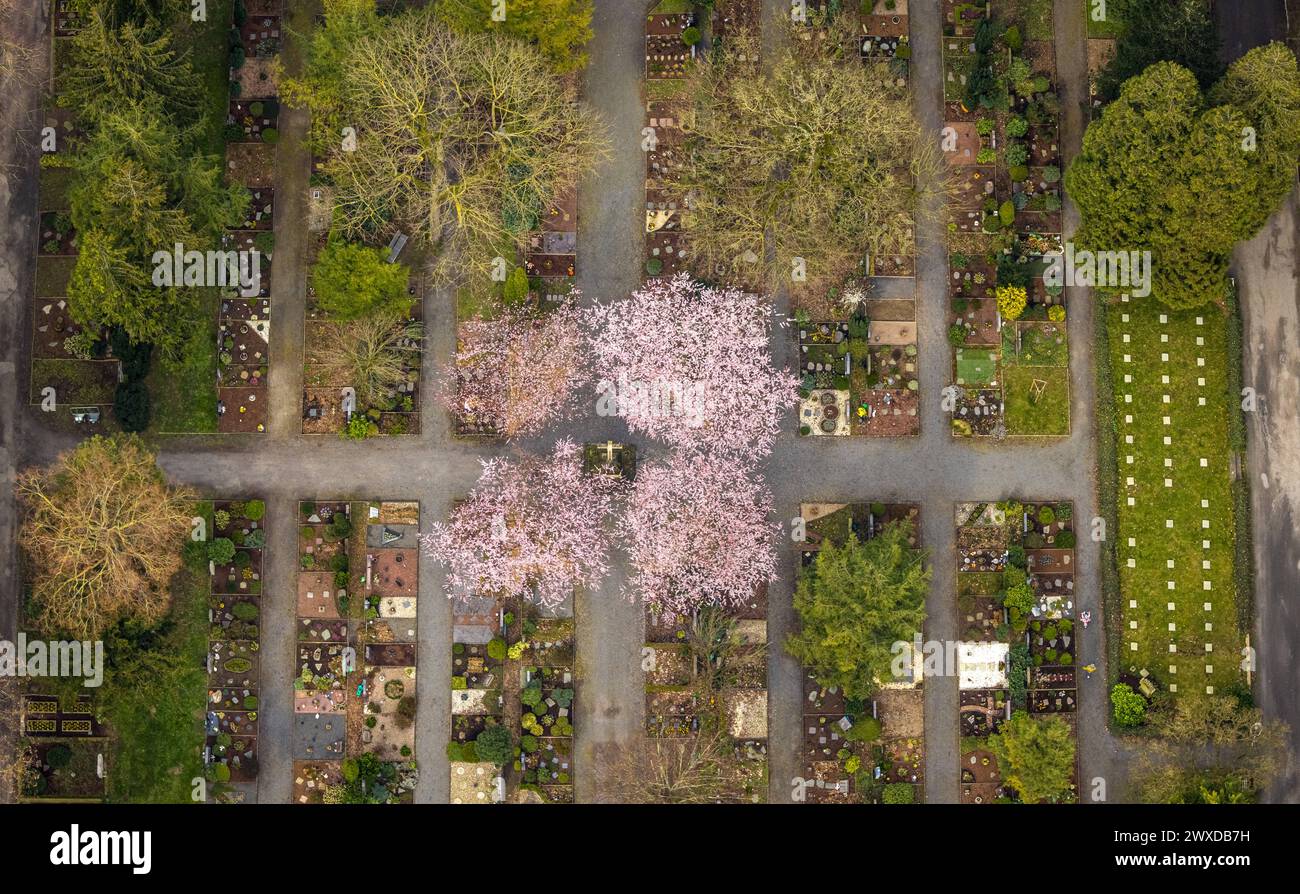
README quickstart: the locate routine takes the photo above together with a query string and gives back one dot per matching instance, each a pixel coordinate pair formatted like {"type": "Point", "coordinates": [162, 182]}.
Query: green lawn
{"type": "Point", "coordinates": [1175, 502]}
{"type": "Point", "coordinates": [1110, 26]}
{"type": "Point", "coordinates": [156, 716]}
{"type": "Point", "coordinates": [1041, 344]}
{"type": "Point", "coordinates": [1049, 413]}
{"type": "Point", "coordinates": [976, 366]}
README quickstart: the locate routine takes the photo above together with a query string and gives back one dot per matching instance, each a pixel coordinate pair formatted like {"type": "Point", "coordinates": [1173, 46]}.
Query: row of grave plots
{"type": "Point", "coordinates": [1008, 661]}
{"type": "Point", "coordinates": [1175, 466]}
{"type": "Point", "coordinates": [512, 698]}
{"type": "Point", "coordinates": [252, 133]}
{"type": "Point", "coordinates": [706, 676]}
{"type": "Point", "coordinates": [860, 750]}
{"type": "Point", "coordinates": [329, 398]}
{"type": "Point", "coordinates": [354, 700]}
{"type": "Point", "coordinates": [69, 375]}
{"type": "Point", "coordinates": [1010, 375]}
{"type": "Point", "coordinates": [236, 547]}
{"type": "Point", "coordinates": [669, 53]}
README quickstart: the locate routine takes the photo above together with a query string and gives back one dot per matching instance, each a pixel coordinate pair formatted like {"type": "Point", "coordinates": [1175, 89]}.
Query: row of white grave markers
{"type": "Point", "coordinates": [1131, 561]}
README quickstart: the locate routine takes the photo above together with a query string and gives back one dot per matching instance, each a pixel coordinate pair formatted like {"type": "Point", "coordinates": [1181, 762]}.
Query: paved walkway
{"type": "Point", "coordinates": [1269, 283]}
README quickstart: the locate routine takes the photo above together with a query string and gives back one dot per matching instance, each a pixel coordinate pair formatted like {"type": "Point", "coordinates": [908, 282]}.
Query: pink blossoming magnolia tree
{"type": "Point", "coordinates": [533, 528]}
{"type": "Point", "coordinates": [515, 374]}
{"type": "Point", "coordinates": [696, 532]}
{"type": "Point", "coordinates": [691, 365]}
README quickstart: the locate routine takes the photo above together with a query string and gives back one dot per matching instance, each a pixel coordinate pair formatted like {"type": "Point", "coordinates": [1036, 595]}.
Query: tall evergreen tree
{"type": "Point", "coordinates": [854, 603]}
{"type": "Point", "coordinates": [110, 67]}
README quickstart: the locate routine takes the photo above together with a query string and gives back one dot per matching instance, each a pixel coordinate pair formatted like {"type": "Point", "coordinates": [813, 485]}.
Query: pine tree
{"type": "Point", "coordinates": [110, 67]}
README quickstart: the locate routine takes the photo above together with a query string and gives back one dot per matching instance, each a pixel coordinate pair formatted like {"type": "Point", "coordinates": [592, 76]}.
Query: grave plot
{"type": "Point", "coordinates": [512, 702]}
{"type": "Point", "coordinates": [234, 679]}
{"type": "Point", "coordinates": [859, 377]}
{"type": "Point", "coordinates": [72, 369]}
{"type": "Point", "coordinates": [551, 251]}
{"type": "Point", "coordinates": [706, 675]}
{"type": "Point", "coordinates": [1175, 505]}
{"type": "Point", "coordinates": [1015, 583]}
{"type": "Point", "coordinates": [610, 458]}
{"type": "Point", "coordinates": [45, 714]}
{"type": "Point", "coordinates": [347, 393]}
{"type": "Point", "coordinates": [884, 35]}
{"type": "Point", "coordinates": [67, 769]}
{"type": "Point", "coordinates": [670, 39]}
{"type": "Point", "coordinates": [250, 122]}
{"type": "Point", "coordinates": [388, 638]}
{"type": "Point", "coordinates": [243, 321]}
{"type": "Point", "coordinates": [255, 44]}
{"type": "Point", "coordinates": [734, 17]}
{"type": "Point", "coordinates": [861, 750]}
{"type": "Point", "coordinates": [355, 698]}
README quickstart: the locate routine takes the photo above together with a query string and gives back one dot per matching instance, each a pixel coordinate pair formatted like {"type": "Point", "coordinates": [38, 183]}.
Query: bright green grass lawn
{"type": "Point", "coordinates": [158, 726]}
{"type": "Point", "coordinates": [1049, 413]}
{"type": "Point", "coordinates": [1110, 26]}
{"type": "Point", "coordinates": [1182, 509]}
{"type": "Point", "coordinates": [1041, 344]}
{"type": "Point", "coordinates": [976, 366]}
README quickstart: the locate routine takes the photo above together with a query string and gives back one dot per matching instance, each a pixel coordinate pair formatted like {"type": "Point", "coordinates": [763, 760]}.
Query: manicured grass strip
{"type": "Point", "coordinates": [1049, 412]}
{"type": "Point", "coordinates": [975, 366]}
{"type": "Point", "coordinates": [1182, 507]}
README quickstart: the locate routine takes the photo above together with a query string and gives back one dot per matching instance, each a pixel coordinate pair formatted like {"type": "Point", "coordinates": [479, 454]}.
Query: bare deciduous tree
{"type": "Point", "coordinates": [461, 137]}
{"type": "Point", "coordinates": [668, 771]}
{"type": "Point", "coordinates": [103, 532]}
{"type": "Point", "coordinates": [373, 354]}
{"type": "Point", "coordinates": [803, 170]}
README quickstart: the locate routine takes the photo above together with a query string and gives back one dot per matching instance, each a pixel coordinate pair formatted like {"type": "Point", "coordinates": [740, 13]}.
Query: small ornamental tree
{"type": "Point", "coordinates": [532, 528]}
{"type": "Point", "coordinates": [518, 372]}
{"type": "Point", "coordinates": [1011, 301]}
{"type": "Point", "coordinates": [352, 281]}
{"type": "Point", "coordinates": [696, 531]}
{"type": "Point", "coordinates": [691, 365]}
{"type": "Point", "coordinates": [1130, 707]}
{"type": "Point", "coordinates": [1036, 756]}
